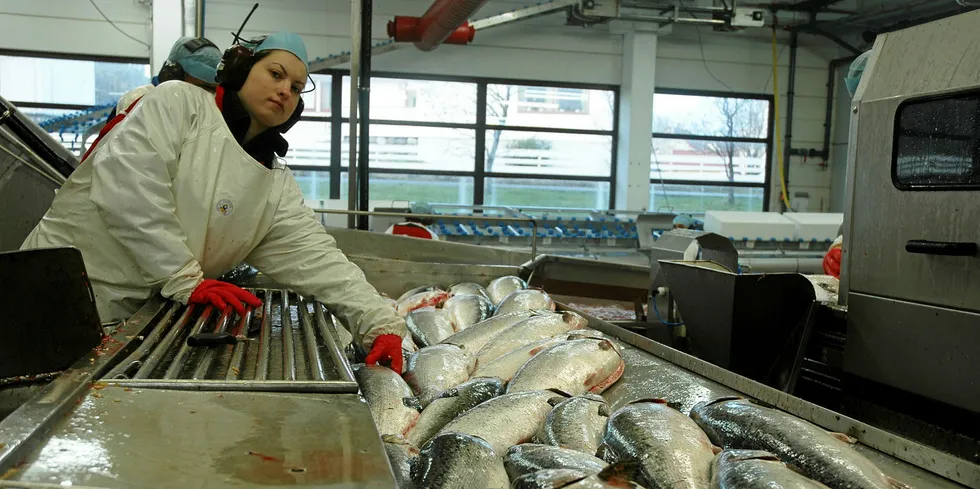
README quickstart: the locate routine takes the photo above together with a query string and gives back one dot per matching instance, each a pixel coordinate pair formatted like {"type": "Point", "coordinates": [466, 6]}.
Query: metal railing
{"type": "Point", "coordinates": [533, 223]}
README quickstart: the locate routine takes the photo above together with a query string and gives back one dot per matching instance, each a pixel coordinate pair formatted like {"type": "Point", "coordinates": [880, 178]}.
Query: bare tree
{"type": "Point", "coordinates": [738, 118]}
{"type": "Point", "coordinates": [498, 107]}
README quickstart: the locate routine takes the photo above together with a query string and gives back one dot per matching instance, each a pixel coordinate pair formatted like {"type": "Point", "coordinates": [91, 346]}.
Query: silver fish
{"type": "Point", "coordinates": [429, 325]}
{"type": "Point", "coordinates": [507, 420]}
{"type": "Point", "coordinates": [432, 298]}
{"type": "Point", "coordinates": [469, 288]}
{"type": "Point", "coordinates": [673, 451]}
{"type": "Point", "coordinates": [822, 456]}
{"type": "Point", "coordinates": [474, 337]}
{"type": "Point", "coordinates": [400, 455]}
{"type": "Point", "coordinates": [465, 310]}
{"type": "Point", "coordinates": [574, 367]}
{"type": "Point", "coordinates": [532, 329]}
{"type": "Point", "coordinates": [531, 457]}
{"type": "Point", "coordinates": [548, 479]}
{"type": "Point", "coordinates": [417, 290]}
{"type": "Point", "coordinates": [756, 469]}
{"type": "Point", "coordinates": [436, 368]}
{"type": "Point", "coordinates": [578, 423]}
{"type": "Point", "coordinates": [390, 398]}
{"type": "Point", "coordinates": [451, 403]}
{"type": "Point", "coordinates": [621, 475]}
{"type": "Point", "coordinates": [507, 365]}
{"type": "Point", "coordinates": [525, 300]}
{"type": "Point", "coordinates": [503, 286]}
{"type": "Point", "coordinates": [459, 461]}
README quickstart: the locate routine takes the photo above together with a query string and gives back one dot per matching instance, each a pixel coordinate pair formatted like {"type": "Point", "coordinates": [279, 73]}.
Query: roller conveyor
{"type": "Point", "coordinates": [260, 432]}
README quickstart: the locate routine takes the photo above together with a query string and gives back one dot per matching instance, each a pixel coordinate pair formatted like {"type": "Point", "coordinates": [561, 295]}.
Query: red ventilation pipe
{"type": "Point", "coordinates": [444, 21]}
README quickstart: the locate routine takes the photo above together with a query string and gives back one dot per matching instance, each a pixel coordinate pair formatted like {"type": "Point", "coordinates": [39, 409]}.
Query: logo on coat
{"type": "Point", "coordinates": [225, 207]}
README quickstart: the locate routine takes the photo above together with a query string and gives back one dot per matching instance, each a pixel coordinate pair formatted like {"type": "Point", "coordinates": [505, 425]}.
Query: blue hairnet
{"type": "Point", "coordinates": [684, 220]}
{"type": "Point", "coordinates": [854, 73]}
{"type": "Point", "coordinates": [201, 64]}
{"type": "Point", "coordinates": [285, 41]}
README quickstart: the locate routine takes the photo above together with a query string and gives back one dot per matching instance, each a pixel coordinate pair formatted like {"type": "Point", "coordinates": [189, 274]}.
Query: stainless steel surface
{"type": "Point", "coordinates": [238, 355]}
{"type": "Point", "coordinates": [133, 360]}
{"type": "Point", "coordinates": [284, 354]}
{"type": "Point", "coordinates": [309, 337]}
{"type": "Point", "coordinates": [126, 437]}
{"type": "Point", "coordinates": [884, 334]}
{"type": "Point", "coordinates": [204, 366]}
{"type": "Point", "coordinates": [333, 346]}
{"type": "Point", "coordinates": [752, 324]}
{"type": "Point", "coordinates": [173, 371]}
{"type": "Point", "coordinates": [355, 71]}
{"type": "Point", "coordinates": [265, 340]}
{"type": "Point", "coordinates": [588, 278]}
{"type": "Point", "coordinates": [26, 428]}
{"type": "Point", "coordinates": [153, 360]}
{"type": "Point", "coordinates": [532, 222]}
{"type": "Point", "coordinates": [284, 386]}
{"type": "Point", "coordinates": [288, 352]}
{"type": "Point", "coordinates": [884, 218]}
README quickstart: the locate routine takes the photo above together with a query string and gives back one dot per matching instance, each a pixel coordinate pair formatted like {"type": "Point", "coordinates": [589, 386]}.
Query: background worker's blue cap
{"type": "Point", "coordinates": [684, 220]}
{"type": "Point", "coordinates": [285, 41]}
{"type": "Point", "coordinates": [201, 63]}
{"type": "Point", "coordinates": [855, 72]}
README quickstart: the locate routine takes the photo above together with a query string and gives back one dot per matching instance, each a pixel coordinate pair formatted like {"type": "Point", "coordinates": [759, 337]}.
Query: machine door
{"type": "Point", "coordinates": [916, 212]}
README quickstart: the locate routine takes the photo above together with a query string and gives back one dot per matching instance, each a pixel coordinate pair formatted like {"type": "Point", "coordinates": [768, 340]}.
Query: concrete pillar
{"type": "Point", "coordinates": [168, 26]}
{"type": "Point", "coordinates": [635, 114]}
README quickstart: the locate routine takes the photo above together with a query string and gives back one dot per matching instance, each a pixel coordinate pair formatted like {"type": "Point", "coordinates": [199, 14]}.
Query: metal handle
{"type": "Point", "coordinates": [943, 248]}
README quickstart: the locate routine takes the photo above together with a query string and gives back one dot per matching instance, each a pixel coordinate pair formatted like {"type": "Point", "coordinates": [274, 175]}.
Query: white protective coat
{"type": "Point", "coordinates": [169, 198]}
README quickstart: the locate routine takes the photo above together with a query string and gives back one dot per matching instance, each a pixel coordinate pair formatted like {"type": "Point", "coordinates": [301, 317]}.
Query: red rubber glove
{"type": "Point", "coordinates": [222, 295]}
{"type": "Point", "coordinates": [387, 347]}
{"type": "Point", "coordinates": [831, 262]}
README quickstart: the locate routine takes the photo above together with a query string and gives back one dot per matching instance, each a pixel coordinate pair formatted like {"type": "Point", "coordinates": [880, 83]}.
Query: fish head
{"type": "Point", "coordinates": [574, 320]}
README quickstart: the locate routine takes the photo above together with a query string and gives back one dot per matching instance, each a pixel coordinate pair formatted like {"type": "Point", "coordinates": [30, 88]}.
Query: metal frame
{"type": "Point", "coordinates": [479, 173]}
{"type": "Point", "coordinates": [768, 141]}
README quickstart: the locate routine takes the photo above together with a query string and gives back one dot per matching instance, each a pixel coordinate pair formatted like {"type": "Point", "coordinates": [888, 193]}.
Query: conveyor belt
{"type": "Point", "coordinates": [286, 345]}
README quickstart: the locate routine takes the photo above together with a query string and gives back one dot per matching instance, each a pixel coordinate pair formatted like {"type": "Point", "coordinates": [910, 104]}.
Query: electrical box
{"type": "Point", "coordinates": [748, 17]}
{"type": "Point", "coordinates": [600, 8]}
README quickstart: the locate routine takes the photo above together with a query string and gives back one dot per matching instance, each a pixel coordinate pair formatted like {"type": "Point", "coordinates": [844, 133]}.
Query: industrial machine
{"type": "Point", "coordinates": [911, 273]}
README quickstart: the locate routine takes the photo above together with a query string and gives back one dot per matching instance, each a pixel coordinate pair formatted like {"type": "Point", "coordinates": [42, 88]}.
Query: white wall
{"type": "Point", "coordinates": [538, 49]}
{"type": "Point", "coordinates": [75, 27]}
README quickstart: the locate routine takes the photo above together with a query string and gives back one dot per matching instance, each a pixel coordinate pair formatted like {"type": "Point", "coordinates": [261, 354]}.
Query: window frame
{"type": "Point", "coordinates": [897, 132]}
{"type": "Point", "coordinates": [338, 151]}
{"type": "Point", "coordinates": [768, 141]}
{"type": "Point", "coordinates": [61, 106]}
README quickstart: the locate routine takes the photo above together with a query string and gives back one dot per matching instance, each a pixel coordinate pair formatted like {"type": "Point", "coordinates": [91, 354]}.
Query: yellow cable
{"type": "Point", "coordinates": [779, 139]}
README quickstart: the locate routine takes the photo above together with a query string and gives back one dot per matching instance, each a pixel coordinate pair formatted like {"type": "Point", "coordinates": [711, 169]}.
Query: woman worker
{"type": "Point", "coordinates": [191, 184]}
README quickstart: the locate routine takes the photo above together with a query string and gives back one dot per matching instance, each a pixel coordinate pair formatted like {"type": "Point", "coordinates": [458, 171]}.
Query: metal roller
{"type": "Point", "coordinates": [288, 354]}
{"type": "Point", "coordinates": [178, 362]}
{"type": "Point", "coordinates": [309, 337]}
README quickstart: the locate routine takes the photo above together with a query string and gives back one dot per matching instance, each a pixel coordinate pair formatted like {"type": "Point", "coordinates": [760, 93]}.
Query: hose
{"type": "Point", "coordinates": [779, 139]}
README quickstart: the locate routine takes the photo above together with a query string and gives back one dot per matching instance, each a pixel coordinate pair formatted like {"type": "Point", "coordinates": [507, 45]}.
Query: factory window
{"type": "Point", "coordinates": [396, 99]}
{"type": "Point", "coordinates": [937, 144]}
{"type": "Point", "coordinates": [431, 142]}
{"type": "Point", "coordinates": [710, 152]}
{"type": "Point", "coordinates": [551, 107]}
{"type": "Point", "coordinates": [318, 102]}
{"type": "Point", "coordinates": [49, 87]}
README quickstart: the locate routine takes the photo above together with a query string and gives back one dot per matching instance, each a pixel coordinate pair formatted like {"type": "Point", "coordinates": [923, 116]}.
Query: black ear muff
{"type": "Point", "coordinates": [236, 62]}
{"type": "Point", "coordinates": [293, 119]}
{"type": "Point", "coordinates": [171, 71]}
{"type": "Point", "coordinates": [234, 67]}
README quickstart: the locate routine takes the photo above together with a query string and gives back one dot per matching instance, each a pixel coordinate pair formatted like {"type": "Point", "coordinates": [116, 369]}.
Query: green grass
{"type": "Point", "coordinates": [530, 193]}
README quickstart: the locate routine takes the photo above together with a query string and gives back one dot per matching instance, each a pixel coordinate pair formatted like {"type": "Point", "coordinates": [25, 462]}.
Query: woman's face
{"type": "Point", "coordinates": [271, 92]}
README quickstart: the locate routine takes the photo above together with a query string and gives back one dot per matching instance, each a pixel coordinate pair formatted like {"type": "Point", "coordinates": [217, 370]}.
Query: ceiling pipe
{"type": "Point", "coordinates": [444, 21]}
